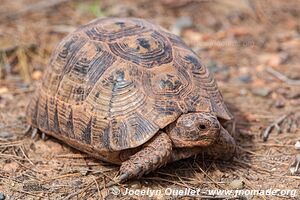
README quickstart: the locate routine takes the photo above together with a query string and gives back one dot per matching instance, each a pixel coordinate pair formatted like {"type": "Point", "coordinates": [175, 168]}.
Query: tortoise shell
{"type": "Point", "coordinates": [114, 83]}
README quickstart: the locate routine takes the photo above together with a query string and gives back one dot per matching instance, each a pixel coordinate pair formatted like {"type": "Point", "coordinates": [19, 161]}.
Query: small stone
{"type": "Point", "coordinates": [7, 96]}
{"type": "Point", "coordinates": [84, 172]}
{"type": "Point", "coordinates": [293, 94]}
{"type": "Point", "coordinates": [181, 23]}
{"type": "Point", "coordinates": [254, 177]}
{"type": "Point", "coordinates": [135, 185]}
{"type": "Point", "coordinates": [212, 66]}
{"type": "Point", "coordinates": [236, 16]}
{"type": "Point", "coordinates": [36, 75]}
{"type": "Point", "coordinates": [195, 38]}
{"type": "Point", "coordinates": [297, 145]}
{"type": "Point", "coordinates": [243, 92]}
{"type": "Point", "coordinates": [6, 135]}
{"type": "Point", "coordinates": [105, 193]}
{"type": "Point", "coordinates": [237, 184]}
{"type": "Point", "coordinates": [10, 167]}
{"type": "Point", "coordinates": [279, 104]}
{"type": "Point", "coordinates": [245, 78]}
{"type": "Point", "coordinates": [76, 183]}
{"type": "Point", "coordinates": [273, 60]}
{"type": "Point", "coordinates": [263, 92]}
{"type": "Point", "coordinates": [244, 70]}
{"type": "Point", "coordinates": [2, 196]}
{"type": "Point", "coordinates": [239, 31]}
{"type": "Point", "coordinates": [115, 190]}
{"type": "Point", "coordinates": [218, 173]}
{"type": "Point", "coordinates": [122, 10]}
{"type": "Point", "coordinates": [3, 90]}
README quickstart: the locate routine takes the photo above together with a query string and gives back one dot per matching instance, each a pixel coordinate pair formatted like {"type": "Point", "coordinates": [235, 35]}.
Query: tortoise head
{"type": "Point", "coordinates": [194, 130]}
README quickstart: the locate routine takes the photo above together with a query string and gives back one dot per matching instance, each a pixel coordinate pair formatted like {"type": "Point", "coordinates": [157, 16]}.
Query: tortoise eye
{"type": "Point", "coordinates": [202, 127]}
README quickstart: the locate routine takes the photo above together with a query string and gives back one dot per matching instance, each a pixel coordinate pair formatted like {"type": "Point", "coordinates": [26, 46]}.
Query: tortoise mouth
{"type": "Point", "coordinates": [204, 141]}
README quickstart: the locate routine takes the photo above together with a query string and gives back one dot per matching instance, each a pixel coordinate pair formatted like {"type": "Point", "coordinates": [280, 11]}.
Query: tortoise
{"type": "Point", "coordinates": [131, 93]}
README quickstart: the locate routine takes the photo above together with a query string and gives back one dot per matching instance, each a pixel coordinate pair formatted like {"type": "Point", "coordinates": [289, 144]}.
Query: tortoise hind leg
{"type": "Point", "coordinates": [153, 155]}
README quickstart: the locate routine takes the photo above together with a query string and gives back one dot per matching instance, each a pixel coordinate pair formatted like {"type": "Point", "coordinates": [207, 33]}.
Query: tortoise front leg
{"type": "Point", "coordinates": [153, 155]}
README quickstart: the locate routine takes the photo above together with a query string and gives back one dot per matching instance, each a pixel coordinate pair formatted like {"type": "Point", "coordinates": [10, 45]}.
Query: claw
{"type": "Point", "coordinates": [36, 132]}
{"type": "Point", "coordinates": [28, 129]}
{"type": "Point", "coordinates": [123, 177]}
{"type": "Point", "coordinates": [43, 136]}
{"type": "Point", "coordinates": [296, 165]}
{"type": "Point", "coordinates": [118, 179]}
{"type": "Point", "coordinates": [33, 133]}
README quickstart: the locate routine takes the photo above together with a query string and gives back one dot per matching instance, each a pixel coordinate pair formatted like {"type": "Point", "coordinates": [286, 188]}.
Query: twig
{"type": "Point", "coordinates": [62, 29]}
{"type": "Point", "coordinates": [28, 193]}
{"type": "Point", "coordinates": [14, 47]}
{"type": "Point", "coordinates": [276, 145]}
{"type": "Point", "coordinates": [78, 191]}
{"type": "Point", "coordinates": [29, 168]}
{"type": "Point", "coordinates": [73, 156]}
{"type": "Point", "coordinates": [165, 180]}
{"type": "Point", "coordinates": [252, 166]}
{"type": "Point", "coordinates": [26, 157]}
{"type": "Point", "coordinates": [210, 178]}
{"type": "Point", "coordinates": [2, 155]}
{"type": "Point", "coordinates": [268, 145]}
{"type": "Point", "coordinates": [282, 77]}
{"type": "Point", "coordinates": [259, 12]}
{"type": "Point", "coordinates": [249, 151]}
{"type": "Point", "coordinates": [110, 184]}
{"type": "Point", "coordinates": [61, 177]}
{"type": "Point", "coordinates": [295, 177]}
{"type": "Point", "coordinates": [11, 144]}
{"type": "Point", "coordinates": [97, 185]}
{"type": "Point", "coordinates": [275, 124]}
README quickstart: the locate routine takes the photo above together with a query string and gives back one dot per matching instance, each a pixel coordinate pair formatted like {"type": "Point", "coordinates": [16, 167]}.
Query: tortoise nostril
{"type": "Point", "coordinates": [202, 127]}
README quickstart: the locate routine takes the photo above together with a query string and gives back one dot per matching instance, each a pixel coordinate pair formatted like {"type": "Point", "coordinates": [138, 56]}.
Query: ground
{"type": "Point", "coordinates": [252, 47]}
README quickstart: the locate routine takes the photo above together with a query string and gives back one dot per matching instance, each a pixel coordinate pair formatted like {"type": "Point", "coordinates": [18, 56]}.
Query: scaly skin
{"type": "Point", "coordinates": [153, 155]}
